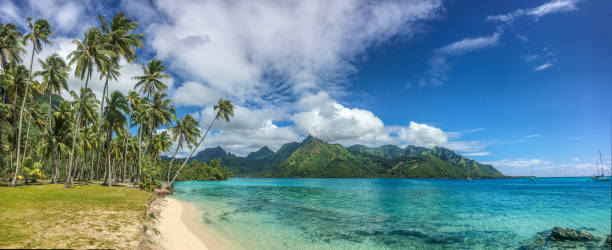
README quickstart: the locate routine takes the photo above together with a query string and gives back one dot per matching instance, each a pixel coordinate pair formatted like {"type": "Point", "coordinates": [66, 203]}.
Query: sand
{"type": "Point", "coordinates": [175, 234]}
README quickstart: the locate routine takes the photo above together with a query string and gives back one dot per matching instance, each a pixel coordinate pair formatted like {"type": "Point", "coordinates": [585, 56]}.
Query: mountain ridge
{"type": "Point", "coordinates": [314, 157]}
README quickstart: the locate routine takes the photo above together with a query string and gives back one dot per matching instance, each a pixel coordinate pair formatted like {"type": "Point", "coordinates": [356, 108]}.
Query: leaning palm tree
{"type": "Point", "coordinates": [185, 131]}
{"type": "Point", "coordinates": [225, 110]}
{"type": "Point", "coordinates": [114, 120]}
{"type": "Point", "coordinates": [54, 75]}
{"type": "Point", "coordinates": [92, 52]}
{"type": "Point", "coordinates": [40, 33]}
{"type": "Point", "coordinates": [150, 83]}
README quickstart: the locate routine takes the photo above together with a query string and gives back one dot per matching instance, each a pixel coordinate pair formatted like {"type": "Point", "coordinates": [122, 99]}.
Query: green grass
{"type": "Point", "coordinates": [87, 216]}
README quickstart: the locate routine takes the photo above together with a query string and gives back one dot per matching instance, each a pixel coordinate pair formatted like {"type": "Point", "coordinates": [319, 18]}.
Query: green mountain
{"type": "Point", "coordinates": [316, 158]}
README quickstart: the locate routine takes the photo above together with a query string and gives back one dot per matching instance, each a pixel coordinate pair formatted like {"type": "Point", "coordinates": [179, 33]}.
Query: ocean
{"type": "Point", "coordinates": [322, 213]}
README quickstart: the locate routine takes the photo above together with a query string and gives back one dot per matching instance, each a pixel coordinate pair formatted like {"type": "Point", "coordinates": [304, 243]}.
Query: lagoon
{"type": "Point", "coordinates": [313, 213]}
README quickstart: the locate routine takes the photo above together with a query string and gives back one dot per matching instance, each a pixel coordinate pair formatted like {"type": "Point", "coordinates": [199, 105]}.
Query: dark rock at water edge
{"type": "Point", "coordinates": [609, 241]}
{"type": "Point", "coordinates": [564, 238]}
{"type": "Point", "coordinates": [560, 233]}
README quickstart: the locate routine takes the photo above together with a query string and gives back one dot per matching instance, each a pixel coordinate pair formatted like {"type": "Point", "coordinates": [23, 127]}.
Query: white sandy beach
{"type": "Point", "coordinates": [179, 229]}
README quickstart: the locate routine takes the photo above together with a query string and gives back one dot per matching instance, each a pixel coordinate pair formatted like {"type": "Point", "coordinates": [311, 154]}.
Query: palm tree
{"type": "Point", "coordinates": [54, 78]}
{"type": "Point", "coordinates": [10, 44]}
{"type": "Point", "coordinates": [114, 116]}
{"type": "Point", "coordinates": [225, 110]}
{"type": "Point", "coordinates": [185, 131]}
{"type": "Point", "coordinates": [41, 30]}
{"type": "Point", "coordinates": [92, 52]}
{"type": "Point", "coordinates": [86, 104]}
{"type": "Point", "coordinates": [150, 83]}
{"type": "Point", "coordinates": [120, 36]}
{"type": "Point", "coordinates": [110, 71]}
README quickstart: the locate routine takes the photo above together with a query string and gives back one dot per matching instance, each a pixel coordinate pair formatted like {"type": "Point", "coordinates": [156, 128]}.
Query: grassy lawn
{"type": "Point", "coordinates": [87, 216]}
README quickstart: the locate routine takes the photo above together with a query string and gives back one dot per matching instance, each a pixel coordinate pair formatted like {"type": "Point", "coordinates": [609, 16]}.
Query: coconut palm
{"type": "Point", "coordinates": [150, 83]}
{"type": "Point", "coordinates": [120, 36]}
{"type": "Point", "coordinates": [114, 120]}
{"type": "Point", "coordinates": [40, 33]}
{"type": "Point", "coordinates": [92, 52]}
{"type": "Point", "coordinates": [185, 131]}
{"type": "Point", "coordinates": [54, 78]}
{"type": "Point", "coordinates": [10, 44]}
{"type": "Point", "coordinates": [110, 71]}
{"type": "Point", "coordinates": [225, 110]}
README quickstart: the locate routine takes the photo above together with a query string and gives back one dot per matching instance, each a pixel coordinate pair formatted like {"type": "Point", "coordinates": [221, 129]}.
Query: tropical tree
{"type": "Point", "coordinates": [225, 110]}
{"type": "Point", "coordinates": [185, 131]}
{"type": "Point", "coordinates": [40, 33]}
{"type": "Point", "coordinates": [120, 35]}
{"type": "Point", "coordinates": [10, 44]}
{"type": "Point", "coordinates": [150, 83]}
{"type": "Point", "coordinates": [114, 120]}
{"type": "Point", "coordinates": [54, 75]}
{"type": "Point", "coordinates": [92, 52]}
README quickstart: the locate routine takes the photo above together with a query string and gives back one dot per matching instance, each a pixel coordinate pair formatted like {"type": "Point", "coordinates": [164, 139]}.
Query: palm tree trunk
{"type": "Point", "coordinates": [172, 161]}
{"type": "Point", "coordinates": [139, 154]}
{"type": "Point", "coordinates": [98, 152]}
{"type": "Point", "coordinates": [48, 111]}
{"type": "Point", "coordinates": [192, 151]}
{"type": "Point", "coordinates": [125, 156]}
{"type": "Point", "coordinates": [25, 148]}
{"type": "Point", "coordinates": [25, 96]}
{"type": "Point", "coordinates": [76, 133]}
{"type": "Point", "coordinates": [108, 157]}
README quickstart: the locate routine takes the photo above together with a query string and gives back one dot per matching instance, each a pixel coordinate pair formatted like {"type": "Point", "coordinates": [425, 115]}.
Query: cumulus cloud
{"type": "Point", "coordinates": [249, 130]}
{"type": "Point", "coordinates": [325, 118]}
{"type": "Point", "coordinates": [554, 6]}
{"type": "Point", "coordinates": [195, 94]}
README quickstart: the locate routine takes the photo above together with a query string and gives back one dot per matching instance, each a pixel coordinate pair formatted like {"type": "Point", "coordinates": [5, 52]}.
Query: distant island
{"type": "Point", "coordinates": [315, 158]}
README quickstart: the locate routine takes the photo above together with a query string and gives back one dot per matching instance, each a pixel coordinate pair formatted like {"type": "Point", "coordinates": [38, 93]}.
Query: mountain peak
{"type": "Point", "coordinates": [311, 139]}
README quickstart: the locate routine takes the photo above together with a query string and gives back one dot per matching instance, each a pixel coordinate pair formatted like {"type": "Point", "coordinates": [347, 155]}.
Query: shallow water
{"type": "Point", "coordinates": [283, 213]}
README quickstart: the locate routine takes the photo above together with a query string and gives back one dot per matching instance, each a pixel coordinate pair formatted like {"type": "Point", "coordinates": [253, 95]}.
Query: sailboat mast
{"type": "Point", "coordinates": [602, 164]}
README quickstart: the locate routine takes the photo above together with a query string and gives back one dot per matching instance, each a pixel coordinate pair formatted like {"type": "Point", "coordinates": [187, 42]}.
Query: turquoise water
{"type": "Point", "coordinates": [274, 213]}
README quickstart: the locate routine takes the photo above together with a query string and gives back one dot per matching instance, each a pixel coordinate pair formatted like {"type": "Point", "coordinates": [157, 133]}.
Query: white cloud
{"type": "Point", "coordinates": [261, 51]}
{"type": "Point", "coordinates": [554, 6]}
{"type": "Point", "coordinates": [576, 159]}
{"type": "Point", "coordinates": [422, 135]}
{"type": "Point", "coordinates": [470, 44]}
{"type": "Point", "coordinates": [249, 130]}
{"type": "Point", "coordinates": [477, 154]}
{"type": "Point", "coordinates": [519, 163]}
{"type": "Point", "coordinates": [325, 118]}
{"type": "Point", "coordinates": [439, 64]}
{"type": "Point", "coordinates": [543, 67]}
{"type": "Point", "coordinates": [533, 136]}
{"type": "Point", "coordinates": [195, 94]}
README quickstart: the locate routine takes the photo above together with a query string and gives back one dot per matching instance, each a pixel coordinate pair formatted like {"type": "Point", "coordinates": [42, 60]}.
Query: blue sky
{"type": "Point", "coordinates": [511, 83]}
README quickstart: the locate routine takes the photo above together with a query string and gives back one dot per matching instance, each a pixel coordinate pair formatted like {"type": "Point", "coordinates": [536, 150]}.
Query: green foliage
{"type": "Point", "coordinates": [201, 171]}
{"type": "Point", "coordinates": [150, 174]}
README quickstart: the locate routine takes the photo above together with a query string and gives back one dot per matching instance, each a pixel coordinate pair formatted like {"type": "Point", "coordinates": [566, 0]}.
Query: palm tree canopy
{"type": "Point", "coordinates": [10, 44]}
{"type": "Point", "coordinates": [160, 111]}
{"type": "Point", "coordinates": [92, 52]}
{"type": "Point", "coordinates": [150, 83]}
{"type": "Point", "coordinates": [40, 33]}
{"type": "Point", "coordinates": [225, 109]}
{"type": "Point", "coordinates": [90, 104]}
{"type": "Point", "coordinates": [186, 131]}
{"type": "Point", "coordinates": [114, 113]}
{"type": "Point", "coordinates": [54, 73]}
{"type": "Point", "coordinates": [120, 36]}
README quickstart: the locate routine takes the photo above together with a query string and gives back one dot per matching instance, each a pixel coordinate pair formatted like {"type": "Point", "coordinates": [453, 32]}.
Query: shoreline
{"type": "Point", "coordinates": [179, 228]}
